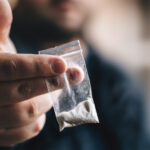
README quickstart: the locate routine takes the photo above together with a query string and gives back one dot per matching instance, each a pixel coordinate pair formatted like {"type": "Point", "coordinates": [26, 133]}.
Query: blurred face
{"type": "Point", "coordinates": [66, 14]}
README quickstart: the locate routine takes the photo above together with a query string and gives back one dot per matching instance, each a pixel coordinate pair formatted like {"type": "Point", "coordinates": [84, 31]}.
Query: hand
{"type": "Point", "coordinates": [23, 98]}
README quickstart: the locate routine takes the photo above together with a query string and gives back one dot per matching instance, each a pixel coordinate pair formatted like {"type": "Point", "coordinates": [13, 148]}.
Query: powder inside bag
{"type": "Point", "coordinates": [84, 112]}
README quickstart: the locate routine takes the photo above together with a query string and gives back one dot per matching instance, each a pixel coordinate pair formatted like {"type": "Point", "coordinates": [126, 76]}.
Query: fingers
{"type": "Point", "coordinates": [20, 90]}
{"type": "Point", "coordinates": [23, 66]}
{"type": "Point", "coordinates": [10, 137]}
{"type": "Point", "coordinates": [74, 75]}
{"type": "Point", "coordinates": [21, 120]}
{"type": "Point", "coordinates": [23, 113]}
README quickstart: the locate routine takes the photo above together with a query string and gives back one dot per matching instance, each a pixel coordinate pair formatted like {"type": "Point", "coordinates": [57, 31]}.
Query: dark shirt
{"type": "Point", "coordinates": [119, 106]}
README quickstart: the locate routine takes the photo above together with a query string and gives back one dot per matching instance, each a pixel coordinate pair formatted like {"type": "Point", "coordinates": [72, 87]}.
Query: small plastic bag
{"type": "Point", "coordinates": [73, 105]}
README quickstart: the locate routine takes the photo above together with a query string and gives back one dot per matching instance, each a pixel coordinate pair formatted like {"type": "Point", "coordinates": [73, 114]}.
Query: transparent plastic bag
{"type": "Point", "coordinates": [73, 105]}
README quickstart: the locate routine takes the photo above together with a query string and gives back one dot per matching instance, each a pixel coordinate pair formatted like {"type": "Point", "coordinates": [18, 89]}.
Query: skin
{"type": "Point", "coordinates": [69, 15]}
{"type": "Point", "coordinates": [23, 98]}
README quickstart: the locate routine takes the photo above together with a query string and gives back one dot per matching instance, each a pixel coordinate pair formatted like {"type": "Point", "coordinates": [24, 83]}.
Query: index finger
{"type": "Point", "coordinates": [23, 66]}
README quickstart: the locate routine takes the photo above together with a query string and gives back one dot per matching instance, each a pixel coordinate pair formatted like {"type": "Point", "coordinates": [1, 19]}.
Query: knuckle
{"type": "Point", "coordinates": [37, 65]}
{"type": "Point", "coordinates": [40, 64]}
{"type": "Point", "coordinates": [37, 127]}
{"type": "Point", "coordinates": [33, 110]}
{"type": "Point", "coordinates": [25, 89]}
{"type": "Point", "coordinates": [9, 67]}
{"type": "Point", "coordinates": [54, 83]}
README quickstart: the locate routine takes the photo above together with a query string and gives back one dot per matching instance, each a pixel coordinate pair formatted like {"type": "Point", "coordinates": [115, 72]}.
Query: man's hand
{"type": "Point", "coordinates": [22, 83]}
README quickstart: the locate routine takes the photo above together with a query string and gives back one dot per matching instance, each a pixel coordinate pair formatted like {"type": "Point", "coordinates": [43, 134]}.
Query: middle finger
{"type": "Point", "coordinates": [16, 91]}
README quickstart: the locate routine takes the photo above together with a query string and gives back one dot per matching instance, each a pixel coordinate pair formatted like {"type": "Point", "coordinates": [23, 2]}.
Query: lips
{"type": "Point", "coordinates": [58, 2]}
{"type": "Point", "coordinates": [62, 4]}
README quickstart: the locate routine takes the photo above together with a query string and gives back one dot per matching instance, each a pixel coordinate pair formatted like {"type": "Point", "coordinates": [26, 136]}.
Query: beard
{"type": "Point", "coordinates": [30, 24]}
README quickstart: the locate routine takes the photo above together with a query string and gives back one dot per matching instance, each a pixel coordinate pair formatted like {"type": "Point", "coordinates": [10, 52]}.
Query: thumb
{"type": "Point", "coordinates": [5, 19]}
{"type": "Point", "coordinates": [5, 23]}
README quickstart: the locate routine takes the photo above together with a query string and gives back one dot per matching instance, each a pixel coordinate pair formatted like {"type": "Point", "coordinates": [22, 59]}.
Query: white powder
{"type": "Point", "coordinates": [84, 112]}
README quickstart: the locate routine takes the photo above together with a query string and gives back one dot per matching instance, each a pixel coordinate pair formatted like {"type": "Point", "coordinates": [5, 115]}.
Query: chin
{"type": "Point", "coordinates": [70, 26]}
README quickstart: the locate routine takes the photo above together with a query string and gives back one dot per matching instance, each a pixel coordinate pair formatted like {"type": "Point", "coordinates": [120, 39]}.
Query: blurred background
{"type": "Point", "coordinates": [121, 30]}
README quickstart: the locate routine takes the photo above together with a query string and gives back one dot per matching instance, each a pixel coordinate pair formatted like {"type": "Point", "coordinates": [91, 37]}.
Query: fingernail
{"type": "Point", "coordinates": [75, 76]}
{"type": "Point", "coordinates": [58, 66]}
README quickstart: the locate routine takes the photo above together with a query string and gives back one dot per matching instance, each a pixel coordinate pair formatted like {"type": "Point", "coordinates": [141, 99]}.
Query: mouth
{"type": "Point", "coordinates": [62, 5]}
